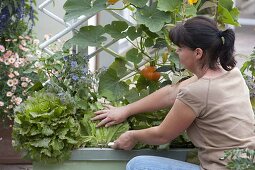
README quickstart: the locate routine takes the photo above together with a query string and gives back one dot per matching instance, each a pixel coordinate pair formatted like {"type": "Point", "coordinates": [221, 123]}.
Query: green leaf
{"type": "Point", "coordinates": [190, 11]}
{"type": "Point", "coordinates": [134, 95]}
{"type": "Point", "coordinates": [207, 4]}
{"type": "Point", "coordinates": [87, 36]}
{"type": "Point", "coordinates": [134, 56]}
{"type": "Point", "coordinates": [153, 18]}
{"type": "Point", "coordinates": [41, 143]}
{"type": "Point", "coordinates": [76, 8]}
{"type": "Point", "coordinates": [226, 17]}
{"type": "Point", "coordinates": [134, 33]}
{"type": "Point", "coordinates": [119, 66]}
{"type": "Point", "coordinates": [166, 5]}
{"type": "Point", "coordinates": [117, 29]}
{"type": "Point", "coordinates": [111, 87]}
{"type": "Point", "coordinates": [228, 4]}
{"type": "Point", "coordinates": [138, 3]}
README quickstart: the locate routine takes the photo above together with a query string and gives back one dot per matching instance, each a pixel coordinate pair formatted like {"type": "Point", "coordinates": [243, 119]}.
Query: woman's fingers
{"type": "Point", "coordinates": [99, 117]}
{"type": "Point", "coordinates": [110, 123]}
{"type": "Point", "coordinates": [109, 106]}
{"type": "Point", "coordinates": [103, 122]}
{"type": "Point", "coordinates": [101, 112]}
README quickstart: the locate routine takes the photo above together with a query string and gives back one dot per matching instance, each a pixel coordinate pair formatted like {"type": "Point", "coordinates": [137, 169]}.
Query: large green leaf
{"type": "Point", "coordinates": [153, 18]}
{"type": "Point", "coordinates": [119, 66]}
{"type": "Point", "coordinates": [134, 32]}
{"type": "Point", "coordinates": [166, 5]}
{"type": "Point", "coordinates": [117, 29]}
{"type": "Point", "coordinates": [225, 16]}
{"type": "Point", "coordinates": [138, 3]}
{"type": "Point", "coordinates": [134, 56]}
{"type": "Point", "coordinates": [111, 87]}
{"type": "Point", "coordinates": [76, 8]}
{"type": "Point", "coordinates": [87, 36]}
{"type": "Point", "coordinates": [228, 4]}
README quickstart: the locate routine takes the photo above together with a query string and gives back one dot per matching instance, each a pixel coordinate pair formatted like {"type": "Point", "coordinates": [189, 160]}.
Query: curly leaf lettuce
{"type": "Point", "coordinates": [45, 127]}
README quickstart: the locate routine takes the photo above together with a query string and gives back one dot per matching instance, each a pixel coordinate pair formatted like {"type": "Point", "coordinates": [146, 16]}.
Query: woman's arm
{"type": "Point", "coordinates": [178, 119]}
{"type": "Point", "coordinates": [162, 98]}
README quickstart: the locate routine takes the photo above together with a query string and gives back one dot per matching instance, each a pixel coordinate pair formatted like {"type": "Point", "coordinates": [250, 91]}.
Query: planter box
{"type": "Point", "coordinates": [7, 153]}
{"type": "Point", "coordinates": [108, 159]}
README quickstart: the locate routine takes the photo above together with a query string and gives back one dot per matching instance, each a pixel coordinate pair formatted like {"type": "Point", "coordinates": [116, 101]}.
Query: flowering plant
{"type": "Point", "coordinates": [16, 17]}
{"type": "Point", "coordinates": [14, 80]}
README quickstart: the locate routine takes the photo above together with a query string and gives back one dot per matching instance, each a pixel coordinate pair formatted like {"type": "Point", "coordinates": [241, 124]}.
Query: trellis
{"type": "Point", "coordinates": [72, 27]}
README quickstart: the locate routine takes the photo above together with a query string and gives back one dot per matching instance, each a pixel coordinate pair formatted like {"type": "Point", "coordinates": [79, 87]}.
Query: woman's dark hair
{"type": "Point", "coordinates": [202, 32]}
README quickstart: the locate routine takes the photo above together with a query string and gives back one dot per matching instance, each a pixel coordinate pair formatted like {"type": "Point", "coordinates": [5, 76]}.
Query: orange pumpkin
{"type": "Point", "coordinates": [150, 73]}
{"type": "Point", "coordinates": [112, 2]}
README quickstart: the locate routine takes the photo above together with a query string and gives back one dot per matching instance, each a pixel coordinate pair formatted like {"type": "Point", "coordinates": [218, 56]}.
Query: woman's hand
{"type": "Point", "coordinates": [126, 141]}
{"type": "Point", "coordinates": [111, 115]}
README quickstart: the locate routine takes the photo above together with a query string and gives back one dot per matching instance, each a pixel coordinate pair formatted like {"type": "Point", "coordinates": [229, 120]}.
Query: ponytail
{"type": "Point", "coordinates": [226, 57]}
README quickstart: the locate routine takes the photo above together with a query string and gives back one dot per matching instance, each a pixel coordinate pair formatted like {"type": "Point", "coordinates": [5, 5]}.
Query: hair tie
{"type": "Point", "coordinates": [220, 35]}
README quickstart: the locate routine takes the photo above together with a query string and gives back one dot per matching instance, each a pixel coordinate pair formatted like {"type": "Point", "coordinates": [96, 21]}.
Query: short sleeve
{"type": "Point", "coordinates": [193, 100]}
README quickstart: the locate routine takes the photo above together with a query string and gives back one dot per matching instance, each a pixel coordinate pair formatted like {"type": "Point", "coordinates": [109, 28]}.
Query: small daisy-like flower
{"type": "Point", "coordinates": [11, 75]}
{"type": "Point", "coordinates": [24, 43]}
{"type": "Point", "coordinates": [6, 62]}
{"type": "Point", "coordinates": [24, 84]}
{"type": "Point", "coordinates": [14, 88]}
{"type": "Point", "coordinates": [11, 60]}
{"type": "Point", "coordinates": [1, 104]}
{"type": "Point", "coordinates": [9, 94]}
{"type": "Point", "coordinates": [8, 54]}
{"type": "Point", "coordinates": [10, 106]}
{"type": "Point", "coordinates": [16, 73]}
{"type": "Point", "coordinates": [15, 81]}
{"type": "Point", "coordinates": [23, 78]}
{"type": "Point", "coordinates": [2, 49]}
{"type": "Point", "coordinates": [16, 65]}
{"type": "Point", "coordinates": [36, 41]}
{"type": "Point", "coordinates": [20, 37]}
{"type": "Point", "coordinates": [10, 83]}
{"type": "Point", "coordinates": [18, 100]}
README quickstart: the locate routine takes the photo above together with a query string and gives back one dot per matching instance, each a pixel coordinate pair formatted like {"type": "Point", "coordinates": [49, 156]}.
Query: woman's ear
{"type": "Point", "coordinates": [198, 53]}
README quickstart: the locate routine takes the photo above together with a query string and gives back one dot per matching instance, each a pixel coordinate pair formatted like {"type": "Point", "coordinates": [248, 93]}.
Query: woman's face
{"type": "Point", "coordinates": [188, 57]}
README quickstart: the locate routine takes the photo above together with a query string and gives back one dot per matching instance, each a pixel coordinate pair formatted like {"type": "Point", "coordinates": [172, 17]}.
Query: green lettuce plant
{"type": "Point", "coordinates": [46, 128]}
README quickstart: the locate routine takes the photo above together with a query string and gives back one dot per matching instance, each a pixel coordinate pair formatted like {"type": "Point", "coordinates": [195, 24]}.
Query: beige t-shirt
{"type": "Point", "coordinates": [224, 117]}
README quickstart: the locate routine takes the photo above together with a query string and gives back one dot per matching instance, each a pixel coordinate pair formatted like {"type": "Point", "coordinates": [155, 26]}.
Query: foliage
{"type": "Point", "coordinates": [248, 71]}
{"type": "Point", "coordinates": [240, 159]}
{"type": "Point", "coordinates": [16, 17]}
{"type": "Point", "coordinates": [121, 83]}
{"type": "Point", "coordinates": [16, 57]}
{"type": "Point", "coordinates": [56, 119]}
{"type": "Point", "coordinates": [124, 80]}
{"type": "Point", "coordinates": [100, 137]}
{"type": "Point", "coordinates": [46, 127]}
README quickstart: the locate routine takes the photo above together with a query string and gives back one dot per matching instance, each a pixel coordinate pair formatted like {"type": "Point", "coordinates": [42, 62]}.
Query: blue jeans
{"type": "Point", "coordinates": [158, 163]}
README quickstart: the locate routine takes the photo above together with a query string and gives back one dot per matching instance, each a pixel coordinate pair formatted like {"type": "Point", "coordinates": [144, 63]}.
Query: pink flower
{"type": "Point", "coordinates": [9, 94]}
{"type": "Point", "coordinates": [2, 49]}
{"type": "Point", "coordinates": [8, 54]}
{"type": "Point", "coordinates": [1, 104]}
{"type": "Point", "coordinates": [36, 41]}
{"type": "Point", "coordinates": [10, 83]}
{"type": "Point", "coordinates": [24, 84]}
{"type": "Point", "coordinates": [11, 60]}
{"type": "Point", "coordinates": [15, 81]}
{"type": "Point", "coordinates": [16, 73]}
{"type": "Point", "coordinates": [11, 75]}
{"type": "Point", "coordinates": [18, 100]}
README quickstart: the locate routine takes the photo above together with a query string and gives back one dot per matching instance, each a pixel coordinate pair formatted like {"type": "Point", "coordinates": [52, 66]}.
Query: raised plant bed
{"type": "Point", "coordinates": [108, 159]}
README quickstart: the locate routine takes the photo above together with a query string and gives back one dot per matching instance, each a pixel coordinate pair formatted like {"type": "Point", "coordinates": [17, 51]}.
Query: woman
{"type": "Point", "coordinates": [213, 105]}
